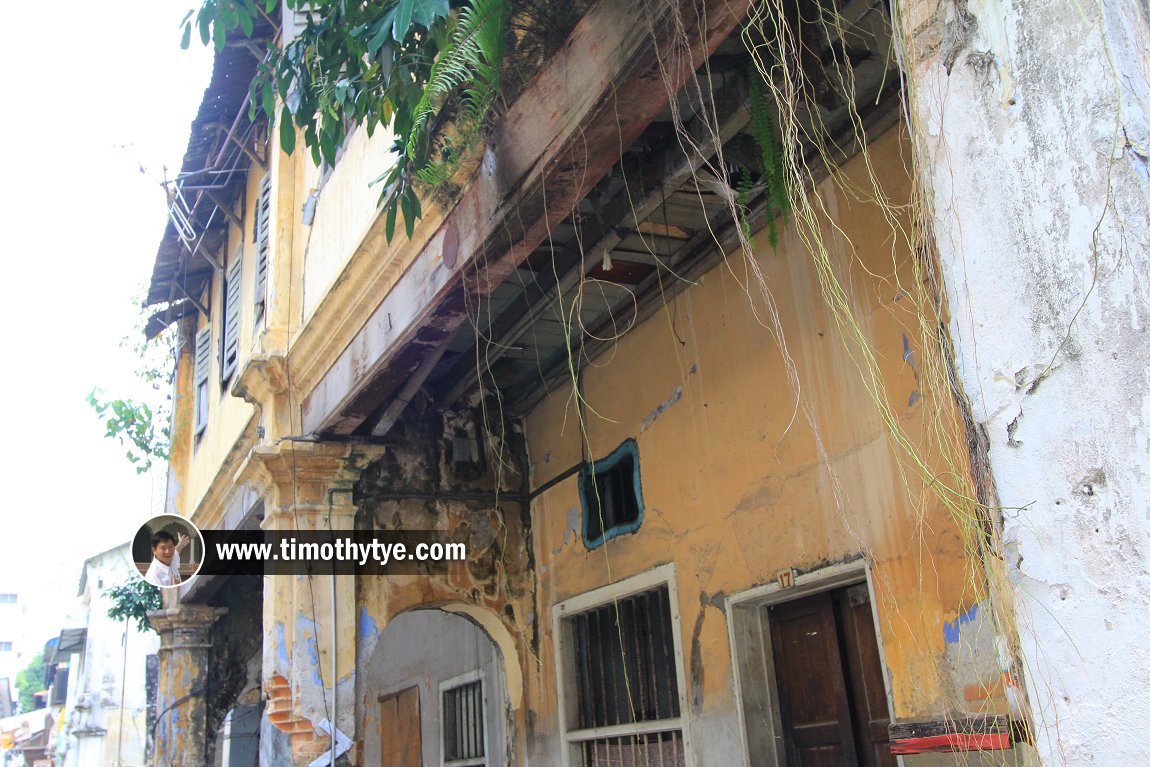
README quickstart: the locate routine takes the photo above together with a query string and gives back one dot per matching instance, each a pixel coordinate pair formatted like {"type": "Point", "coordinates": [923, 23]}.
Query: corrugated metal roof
{"type": "Point", "coordinates": [208, 162]}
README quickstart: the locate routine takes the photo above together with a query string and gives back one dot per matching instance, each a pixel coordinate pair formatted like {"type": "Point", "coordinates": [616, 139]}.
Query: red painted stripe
{"type": "Point", "coordinates": [951, 742]}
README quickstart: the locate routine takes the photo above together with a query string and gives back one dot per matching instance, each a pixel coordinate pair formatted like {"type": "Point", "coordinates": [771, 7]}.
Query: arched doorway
{"type": "Point", "coordinates": [435, 693]}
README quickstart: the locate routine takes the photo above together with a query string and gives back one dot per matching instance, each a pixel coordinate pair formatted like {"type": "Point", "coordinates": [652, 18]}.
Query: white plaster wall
{"type": "Point", "coordinates": [1038, 167]}
{"type": "Point", "coordinates": [113, 663]}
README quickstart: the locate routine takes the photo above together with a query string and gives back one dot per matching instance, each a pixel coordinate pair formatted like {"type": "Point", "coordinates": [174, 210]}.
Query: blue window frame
{"type": "Point", "coordinates": [611, 495]}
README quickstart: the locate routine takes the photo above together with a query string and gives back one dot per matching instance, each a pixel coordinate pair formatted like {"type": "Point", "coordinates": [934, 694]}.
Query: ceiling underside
{"type": "Point", "coordinates": [658, 221]}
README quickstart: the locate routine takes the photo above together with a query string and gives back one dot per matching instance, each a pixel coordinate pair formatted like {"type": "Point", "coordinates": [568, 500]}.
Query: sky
{"type": "Point", "coordinates": [100, 99]}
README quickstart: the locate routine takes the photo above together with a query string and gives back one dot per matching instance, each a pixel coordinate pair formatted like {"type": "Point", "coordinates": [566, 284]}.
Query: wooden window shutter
{"type": "Point", "coordinates": [202, 361]}
{"type": "Point", "coordinates": [230, 337]}
{"type": "Point", "coordinates": [263, 242]}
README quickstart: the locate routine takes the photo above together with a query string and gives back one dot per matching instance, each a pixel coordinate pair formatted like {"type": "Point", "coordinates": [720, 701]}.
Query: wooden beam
{"type": "Point", "coordinates": [256, 159]}
{"type": "Point", "coordinates": [627, 211]}
{"type": "Point", "coordinates": [223, 207]}
{"type": "Point", "coordinates": [978, 733]}
{"type": "Point", "coordinates": [609, 81]}
{"type": "Point", "coordinates": [664, 230]}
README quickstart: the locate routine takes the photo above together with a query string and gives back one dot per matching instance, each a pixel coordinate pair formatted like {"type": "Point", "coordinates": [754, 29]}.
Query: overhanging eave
{"type": "Point", "coordinates": [557, 141]}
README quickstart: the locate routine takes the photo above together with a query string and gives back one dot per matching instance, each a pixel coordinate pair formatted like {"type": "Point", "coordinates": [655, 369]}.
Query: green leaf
{"type": "Point", "coordinates": [205, 22]}
{"type": "Point", "coordinates": [327, 146]}
{"type": "Point", "coordinates": [389, 225]}
{"type": "Point", "coordinates": [246, 24]}
{"type": "Point", "coordinates": [408, 218]}
{"type": "Point", "coordinates": [426, 12]}
{"type": "Point", "coordinates": [380, 32]}
{"type": "Point", "coordinates": [269, 100]}
{"type": "Point", "coordinates": [416, 206]}
{"type": "Point", "coordinates": [402, 23]}
{"type": "Point", "coordinates": [186, 38]}
{"type": "Point", "coordinates": [287, 131]}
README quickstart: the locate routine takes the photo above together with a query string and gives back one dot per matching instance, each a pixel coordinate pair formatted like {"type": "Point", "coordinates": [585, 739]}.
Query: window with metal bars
{"type": "Point", "coordinates": [626, 689]}
{"type": "Point", "coordinates": [611, 495]}
{"type": "Point", "coordinates": [464, 734]}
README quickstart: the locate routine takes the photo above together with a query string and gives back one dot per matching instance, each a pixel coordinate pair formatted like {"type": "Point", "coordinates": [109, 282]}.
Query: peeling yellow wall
{"type": "Point", "coordinates": [198, 459]}
{"type": "Point", "coordinates": [346, 206]}
{"type": "Point", "coordinates": [735, 484]}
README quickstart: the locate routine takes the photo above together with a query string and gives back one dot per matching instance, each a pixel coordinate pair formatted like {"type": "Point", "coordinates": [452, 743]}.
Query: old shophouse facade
{"type": "Point", "coordinates": [729, 472]}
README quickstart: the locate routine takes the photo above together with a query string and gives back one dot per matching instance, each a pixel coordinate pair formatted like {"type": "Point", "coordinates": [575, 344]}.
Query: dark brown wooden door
{"type": "Point", "coordinates": [831, 695]}
{"type": "Point", "coordinates": [400, 741]}
{"type": "Point", "coordinates": [868, 690]}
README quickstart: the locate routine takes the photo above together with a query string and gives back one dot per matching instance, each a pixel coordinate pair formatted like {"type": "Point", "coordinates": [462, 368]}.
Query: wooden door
{"type": "Point", "coordinates": [831, 695]}
{"type": "Point", "coordinates": [813, 701]}
{"type": "Point", "coordinates": [868, 690]}
{"type": "Point", "coordinates": [400, 741]}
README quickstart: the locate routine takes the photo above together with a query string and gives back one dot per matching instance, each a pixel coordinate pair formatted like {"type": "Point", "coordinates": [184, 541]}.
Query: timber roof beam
{"type": "Point", "coordinates": [551, 148]}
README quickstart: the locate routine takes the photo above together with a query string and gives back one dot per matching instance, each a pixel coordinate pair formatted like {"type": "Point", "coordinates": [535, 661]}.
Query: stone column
{"type": "Point", "coordinates": [309, 620]}
{"type": "Point", "coordinates": [1031, 123]}
{"type": "Point", "coordinates": [181, 707]}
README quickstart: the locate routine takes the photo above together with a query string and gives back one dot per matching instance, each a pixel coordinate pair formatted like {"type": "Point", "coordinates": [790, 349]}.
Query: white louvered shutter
{"type": "Point", "coordinates": [202, 362]}
{"type": "Point", "coordinates": [263, 243]}
{"type": "Point", "coordinates": [230, 338]}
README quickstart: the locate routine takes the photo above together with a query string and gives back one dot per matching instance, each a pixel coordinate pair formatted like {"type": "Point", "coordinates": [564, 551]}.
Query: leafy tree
{"type": "Point", "coordinates": [30, 680]}
{"type": "Point", "coordinates": [411, 64]}
{"type": "Point", "coordinates": [145, 436]}
{"type": "Point", "coordinates": [133, 600]}
{"type": "Point", "coordinates": [142, 428]}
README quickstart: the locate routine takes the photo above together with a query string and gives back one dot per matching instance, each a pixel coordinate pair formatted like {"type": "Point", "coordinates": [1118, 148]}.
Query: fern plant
{"type": "Point", "coordinates": [763, 131]}
{"type": "Point", "coordinates": [469, 66]}
{"type": "Point", "coordinates": [471, 59]}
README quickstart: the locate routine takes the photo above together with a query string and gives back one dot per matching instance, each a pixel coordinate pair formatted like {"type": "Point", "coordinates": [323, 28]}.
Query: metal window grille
{"type": "Point", "coordinates": [658, 749]}
{"type": "Point", "coordinates": [626, 679]}
{"type": "Point", "coordinates": [611, 495]}
{"type": "Point", "coordinates": [463, 729]}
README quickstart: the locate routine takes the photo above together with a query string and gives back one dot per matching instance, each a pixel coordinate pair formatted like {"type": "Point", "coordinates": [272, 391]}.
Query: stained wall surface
{"type": "Point", "coordinates": [1033, 146]}
{"type": "Point", "coordinates": [761, 452]}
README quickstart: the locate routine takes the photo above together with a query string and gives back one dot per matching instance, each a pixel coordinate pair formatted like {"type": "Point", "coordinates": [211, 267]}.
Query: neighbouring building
{"type": "Point", "coordinates": [105, 720]}
{"type": "Point", "coordinates": [12, 659]}
{"type": "Point", "coordinates": [25, 739]}
{"type": "Point", "coordinates": [746, 478]}
{"type": "Point", "coordinates": [14, 645]}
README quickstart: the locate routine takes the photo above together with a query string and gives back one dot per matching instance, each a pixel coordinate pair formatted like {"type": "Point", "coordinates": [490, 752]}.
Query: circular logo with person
{"type": "Point", "coordinates": [168, 550]}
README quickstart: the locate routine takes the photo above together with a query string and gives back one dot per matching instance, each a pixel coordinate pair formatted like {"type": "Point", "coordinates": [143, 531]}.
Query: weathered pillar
{"type": "Point", "coordinates": [181, 706]}
{"type": "Point", "coordinates": [309, 620]}
{"type": "Point", "coordinates": [1031, 127]}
